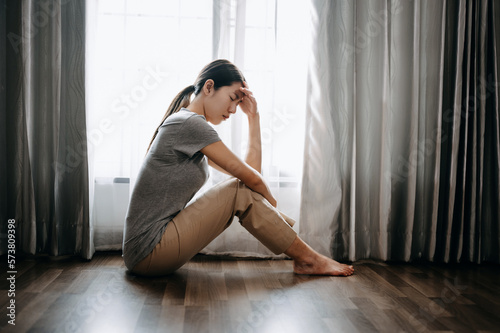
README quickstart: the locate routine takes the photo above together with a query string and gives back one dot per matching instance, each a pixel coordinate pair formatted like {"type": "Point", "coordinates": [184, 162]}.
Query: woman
{"type": "Point", "coordinates": [162, 233]}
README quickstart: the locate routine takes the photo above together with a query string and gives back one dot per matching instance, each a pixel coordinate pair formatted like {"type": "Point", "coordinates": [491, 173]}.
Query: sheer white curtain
{"type": "Point", "coordinates": [142, 53]}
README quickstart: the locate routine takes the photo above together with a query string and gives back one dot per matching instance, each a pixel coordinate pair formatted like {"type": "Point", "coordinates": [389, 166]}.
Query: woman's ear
{"type": "Point", "coordinates": [208, 87]}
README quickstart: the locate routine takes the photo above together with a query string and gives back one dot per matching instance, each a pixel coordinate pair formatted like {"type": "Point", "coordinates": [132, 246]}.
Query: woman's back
{"type": "Point", "coordinates": [173, 171]}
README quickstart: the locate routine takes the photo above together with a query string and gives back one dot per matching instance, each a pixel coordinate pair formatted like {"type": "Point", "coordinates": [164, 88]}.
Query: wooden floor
{"type": "Point", "coordinates": [212, 294]}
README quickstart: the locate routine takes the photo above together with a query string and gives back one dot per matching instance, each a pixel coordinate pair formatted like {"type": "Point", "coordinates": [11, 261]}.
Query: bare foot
{"type": "Point", "coordinates": [308, 261]}
{"type": "Point", "coordinates": [322, 265]}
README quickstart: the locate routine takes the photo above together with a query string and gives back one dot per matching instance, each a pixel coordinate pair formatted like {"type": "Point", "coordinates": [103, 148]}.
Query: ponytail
{"type": "Point", "coordinates": [180, 101]}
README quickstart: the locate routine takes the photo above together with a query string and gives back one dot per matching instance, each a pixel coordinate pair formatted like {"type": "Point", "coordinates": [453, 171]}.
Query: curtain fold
{"type": "Point", "coordinates": [401, 155]}
{"type": "Point", "coordinates": [45, 138]}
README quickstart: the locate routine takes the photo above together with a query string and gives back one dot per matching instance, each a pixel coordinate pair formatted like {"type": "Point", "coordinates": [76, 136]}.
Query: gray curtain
{"type": "Point", "coordinates": [44, 168]}
{"type": "Point", "coordinates": [402, 141]}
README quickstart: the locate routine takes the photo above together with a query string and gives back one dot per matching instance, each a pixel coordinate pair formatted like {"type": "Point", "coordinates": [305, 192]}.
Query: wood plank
{"type": "Point", "coordinates": [484, 280]}
{"type": "Point", "coordinates": [383, 271]}
{"type": "Point", "coordinates": [216, 286]}
{"type": "Point", "coordinates": [197, 294]}
{"type": "Point", "coordinates": [405, 320]}
{"type": "Point", "coordinates": [425, 317]}
{"type": "Point", "coordinates": [109, 309]}
{"type": "Point", "coordinates": [235, 284]}
{"type": "Point", "coordinates": [33, 311]}
{"type": "Point", "coordinates": [254, 285]}
{"type": "Point", "coordinates": [472, 316]}
{"type": "Point", "coordinates": [294, 323]}
{"type": "Point", "coordinates": [218, 318]}
{"type": "Point", "coordinates": [81, 282]}
{"type": "Point", "coordinates": [175, 290]}
{"type": "Point", "coordinates": [485, 304]}
{"type": "Point", "coordinates": [454, 325]}
{"type": "Point", "coordinates": [171, 319]}
{"type": "Point", "coordinates": [56, 314]}
{"type": "Point", "coordinates": [148, 318]}
{"type": "Point", "coordinates": [45, 279]}
{"type": "Point", "coordinates": [196, 319]}
{"type": "Point", "coordinates": [340, 323]}
{"type": "Point", "coordinates": [425, 303]}
{"type": "Point", "coordinates": [374, 284]}
{"type": "Point", "coordinates": [380, 320]}
{"type": "Point", "coordinates": [420, 281]}
{"type": "Point", "coordinates": [303, 302]}
{"type": "Point", "coordinates": [359, 321]}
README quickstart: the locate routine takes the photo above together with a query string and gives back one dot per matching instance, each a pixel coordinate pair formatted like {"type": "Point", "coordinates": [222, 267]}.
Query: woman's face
{"type": "Point", "coordinates": [221, 103]}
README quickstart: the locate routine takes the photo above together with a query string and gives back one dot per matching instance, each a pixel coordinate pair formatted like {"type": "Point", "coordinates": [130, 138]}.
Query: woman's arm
{"type": "Point", "coordinates": [223, 157]}
{"type": "Point", "coordinates": [254, 150]}
{"type": "Point", "coordinates": [216, 167]}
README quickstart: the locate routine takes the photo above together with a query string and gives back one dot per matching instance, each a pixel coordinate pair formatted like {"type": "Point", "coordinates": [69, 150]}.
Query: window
{"type": "Point", "coordinates": [142, 53]}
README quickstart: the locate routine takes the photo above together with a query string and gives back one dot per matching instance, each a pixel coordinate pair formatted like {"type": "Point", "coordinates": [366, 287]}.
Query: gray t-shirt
{"type": "Point", "coordinates": [173, 171]}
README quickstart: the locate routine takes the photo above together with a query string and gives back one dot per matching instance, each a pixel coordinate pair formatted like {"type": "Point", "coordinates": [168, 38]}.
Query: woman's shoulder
{"type": "Point", "coordinates": [184, 115]}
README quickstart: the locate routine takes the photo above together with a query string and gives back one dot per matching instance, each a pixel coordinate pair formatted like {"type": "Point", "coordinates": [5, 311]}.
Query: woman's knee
{"type": "Point", "coordinates": [232, 182]}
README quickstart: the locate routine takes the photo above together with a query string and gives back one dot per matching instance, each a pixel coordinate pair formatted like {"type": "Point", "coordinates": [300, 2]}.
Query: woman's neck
{"type": "Point", "coordinates": [196, 106]}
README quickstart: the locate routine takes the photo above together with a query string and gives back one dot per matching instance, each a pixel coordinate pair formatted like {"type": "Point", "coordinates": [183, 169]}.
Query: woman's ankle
{"type": "Point", "coordinates": [300, 251]}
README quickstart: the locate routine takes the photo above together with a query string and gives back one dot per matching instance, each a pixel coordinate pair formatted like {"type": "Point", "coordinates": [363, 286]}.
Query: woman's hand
{"type": "Point", "coordinates": [248, 103]}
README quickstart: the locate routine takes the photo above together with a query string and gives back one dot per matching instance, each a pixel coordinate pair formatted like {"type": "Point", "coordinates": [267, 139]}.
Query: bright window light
{"type": "Point", "coordinates": [142, 53]}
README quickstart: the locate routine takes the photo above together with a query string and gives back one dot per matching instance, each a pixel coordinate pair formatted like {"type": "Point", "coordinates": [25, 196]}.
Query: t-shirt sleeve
{"type": "Point", "coordinates": [195, 135]}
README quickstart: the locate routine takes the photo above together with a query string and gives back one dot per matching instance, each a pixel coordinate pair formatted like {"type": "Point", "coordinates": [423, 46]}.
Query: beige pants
{"type": "Point", "coordinates": [208, 216]}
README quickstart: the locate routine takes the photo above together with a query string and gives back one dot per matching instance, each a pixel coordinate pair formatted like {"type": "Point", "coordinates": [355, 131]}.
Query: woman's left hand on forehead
{"type": "Point", "coordinates": [248, 103]}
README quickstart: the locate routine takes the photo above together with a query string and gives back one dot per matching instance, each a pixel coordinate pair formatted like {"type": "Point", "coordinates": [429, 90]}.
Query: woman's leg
{"type": "Point", "coordinates": [204, 219]}
{"type": "Point", "coordinates": [308, 261]}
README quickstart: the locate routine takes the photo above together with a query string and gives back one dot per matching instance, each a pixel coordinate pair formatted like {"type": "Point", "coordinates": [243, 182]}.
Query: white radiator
{"type": "Point", "coordinates": [111, 199]}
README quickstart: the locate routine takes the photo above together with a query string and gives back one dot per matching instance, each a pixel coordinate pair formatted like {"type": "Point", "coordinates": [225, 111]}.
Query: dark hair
{"type": "Point", "coordinates": [221, 71]}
